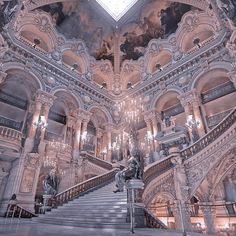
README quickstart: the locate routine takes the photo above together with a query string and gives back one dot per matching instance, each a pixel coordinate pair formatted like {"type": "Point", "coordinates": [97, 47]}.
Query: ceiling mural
{"type": "Point", "coordinates": [78, 19]}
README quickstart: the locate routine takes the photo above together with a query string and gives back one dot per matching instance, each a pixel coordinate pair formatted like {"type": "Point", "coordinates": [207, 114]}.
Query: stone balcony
{"type": "Point", "coordinates": [10, 138]}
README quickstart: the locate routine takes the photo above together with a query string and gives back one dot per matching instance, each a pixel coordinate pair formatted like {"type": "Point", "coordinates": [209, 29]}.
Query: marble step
{"type": "Point", "coordinates": [91, 215]}
{"type": "Point", "coordinates": [86, 225]}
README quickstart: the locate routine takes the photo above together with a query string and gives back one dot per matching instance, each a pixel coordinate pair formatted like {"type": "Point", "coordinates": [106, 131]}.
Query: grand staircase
{"type": "Point", "coordinates": [100, 208]}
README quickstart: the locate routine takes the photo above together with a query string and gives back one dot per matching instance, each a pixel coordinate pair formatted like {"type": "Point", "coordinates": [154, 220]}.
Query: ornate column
{"type": "Point", "coordinates": [45, 110]}
{"type": "Point", "coordinates": [69, 130]}
{"type": "Point", "coordinates": [98, 149]}
{"type": "Point", "coordinates": [191, 104]}
{"type": "Point", "coordinates": [85, 120]}
{"type": "Point", "coordinates": [77, 137]}
{"type": "Point", "coordinates": [181, 213]}
{"type": "Point", "coordinates": [209, 217]}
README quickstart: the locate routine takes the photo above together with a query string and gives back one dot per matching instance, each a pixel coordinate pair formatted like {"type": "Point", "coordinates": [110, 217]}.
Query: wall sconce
{"type": "Point", "coordinates": [104, 85]}
{"type": "Point", "coordinates": [129, 85]}
{"type": "Point", "coordinates": [36, 43]}
{"type": "Point", "coordinates": [196, 42]}
{"type": "Point", "coordinates": [41, 123]}
{"type": "Point", "coordinates": [158, 66]}
{"type": "Point", "coordinates": [74, 67]}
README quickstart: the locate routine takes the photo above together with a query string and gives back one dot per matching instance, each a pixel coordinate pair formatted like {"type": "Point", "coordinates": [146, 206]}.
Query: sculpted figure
{"type": "Point", "coordinates": [133, 171]}
{"type": "Point", "coordinates": [50, 184]}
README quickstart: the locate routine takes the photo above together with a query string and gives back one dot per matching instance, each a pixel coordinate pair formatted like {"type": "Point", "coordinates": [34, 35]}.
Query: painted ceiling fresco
{"type": "Point", "coordinates": [78, 19]}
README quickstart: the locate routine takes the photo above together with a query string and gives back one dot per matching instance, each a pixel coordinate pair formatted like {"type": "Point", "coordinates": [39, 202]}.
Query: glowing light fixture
{"type": "Point", "coordinates": [116, 9]}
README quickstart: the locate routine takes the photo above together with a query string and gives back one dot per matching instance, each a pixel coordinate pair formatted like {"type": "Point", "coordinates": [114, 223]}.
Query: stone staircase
{"type": "Point", "coordinates": [100, 208]}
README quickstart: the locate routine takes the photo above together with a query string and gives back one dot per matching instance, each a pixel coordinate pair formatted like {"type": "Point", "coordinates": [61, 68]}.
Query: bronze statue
{"type": "Point", "coordinates": [133, 171]}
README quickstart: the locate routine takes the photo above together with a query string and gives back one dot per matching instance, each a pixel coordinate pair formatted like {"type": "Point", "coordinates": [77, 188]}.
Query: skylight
{"type": "Point", "coordinates": [116, 8]}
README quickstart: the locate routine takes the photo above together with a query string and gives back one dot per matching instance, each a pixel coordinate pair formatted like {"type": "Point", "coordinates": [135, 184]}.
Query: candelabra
{"type": "Point", "coordinates": [193, 125]}
{"type": "Point", "coordinates": [41, 123]}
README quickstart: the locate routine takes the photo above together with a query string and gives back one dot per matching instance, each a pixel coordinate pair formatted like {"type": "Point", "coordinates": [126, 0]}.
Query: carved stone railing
{"type": "Point", "coordinates": [101, 163]}
{"type": "Point", "coordinates": [210, 137]}
{"type": "Point", "coordinates": [81, 188]}
{"type": "Point", "coordinates": [19, 212]}
{"type": "Point", "coordinates": [11, 137]}
{"type": "Point", "coordinates": [157, 169]}
{"type": "Point", "coordinates": [152, 222]}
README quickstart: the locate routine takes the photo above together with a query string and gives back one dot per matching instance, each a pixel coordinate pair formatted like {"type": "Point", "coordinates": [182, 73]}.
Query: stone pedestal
{"type": "Point", "coordinates": [46, 206]}
{"type": "Point", "coordinates": [136, 212]}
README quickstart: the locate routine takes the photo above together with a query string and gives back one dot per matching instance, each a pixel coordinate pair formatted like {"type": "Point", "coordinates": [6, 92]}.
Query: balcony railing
{"type": "Point", "coordinates": [218, 92]}
{"type": "Point", "coordinates": [211, 136]}
{"type": "Point", "coordinates": [10, 134]}
{"type": "Point", "coordinates": [83, 187]}
{"type": "Point", "coordinates": [97, 161]}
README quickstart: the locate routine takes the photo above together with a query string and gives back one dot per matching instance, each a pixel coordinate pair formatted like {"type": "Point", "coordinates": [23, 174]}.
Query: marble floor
{"type": "Point", "coordinates": [28, 228]}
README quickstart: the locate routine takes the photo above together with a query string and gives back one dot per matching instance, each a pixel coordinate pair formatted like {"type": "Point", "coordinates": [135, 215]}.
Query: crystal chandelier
{"type": "Point", "coordinates": [131, 110]}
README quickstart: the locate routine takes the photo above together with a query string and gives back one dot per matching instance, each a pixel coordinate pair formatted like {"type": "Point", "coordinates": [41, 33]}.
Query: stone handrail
{"type": "Point", "coordinates": [101, 163]}
{"type": "Point", "coordinates": [81, 188]}
{"type": "Point", "coordinates": [157, 169]}
{"type": "Point", "coordinates": [152, 222]}
{"type": "Point", "coordinates": [8, 133]}
{"type": "Point", "coordinates": [18, 211]}
{"type": "Point", "coordinates": [210, 137]}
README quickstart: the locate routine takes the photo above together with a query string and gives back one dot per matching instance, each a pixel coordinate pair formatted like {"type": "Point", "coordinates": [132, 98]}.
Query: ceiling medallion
{"type": "Point", "coordinates": [116, 9]}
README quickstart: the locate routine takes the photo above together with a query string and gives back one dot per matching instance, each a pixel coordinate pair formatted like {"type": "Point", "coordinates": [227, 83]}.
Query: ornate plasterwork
{"type": "Point", "coordinates": [199, 166]}
{"type": "Point", "coordinates": [164, 183]}
{"type": "Point", "coordinates": [93, 169]}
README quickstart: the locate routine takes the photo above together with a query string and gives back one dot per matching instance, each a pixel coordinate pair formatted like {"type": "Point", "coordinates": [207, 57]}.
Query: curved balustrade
{"type": "Point", "coordinates": [101, 163]}
{"type": "Point", "coordinates": [157, 169]}
{"type": "Point", "coordinates": [210, 137]}
{"type": "Point", "coordinates": [9, 133]}
{"type": "Point", "coordinates": [11, 137]}
{"type": "Point", "coordinates": [78, 189]}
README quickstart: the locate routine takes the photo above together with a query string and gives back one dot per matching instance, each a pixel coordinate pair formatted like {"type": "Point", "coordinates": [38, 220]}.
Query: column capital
{"type": "Point", "coordinates": [71, 121]}
{"type": "Point", "coordinates": [151, 115]}
{"type": "Point", "coordinates": [44, 98]}
{"type": "Point", "coordinates": [109, 127]}
{"type": "Point", "coordinates": [188, 97]}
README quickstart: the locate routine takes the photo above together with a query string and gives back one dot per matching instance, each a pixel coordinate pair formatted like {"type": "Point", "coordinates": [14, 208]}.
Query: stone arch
{"type": "Point", "coordinates": [78, 100]}
{"type": "Point", "coordinates": [103, 110]}
{"type": "Point", "coordinates": [42, 27]}
{"type": "Point", "coordinates": [160, 96]}
{"type": "Point", "coordinates": [224, 66]}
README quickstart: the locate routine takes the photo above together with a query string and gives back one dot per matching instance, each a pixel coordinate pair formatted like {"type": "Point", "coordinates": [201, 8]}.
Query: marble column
{"type": "Point", "coordinates": [182, 214]}
{"type": "Point", "coordinates": [209, 216]}
{"type": "Point", "coordinates": [77, 137]}
{"type": "Point", "coordinates": [83, 132]}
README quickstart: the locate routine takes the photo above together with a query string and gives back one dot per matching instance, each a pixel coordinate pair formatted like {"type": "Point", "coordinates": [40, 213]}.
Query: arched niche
{"type": "Point", "coordinates": [16, 95]}
{"type": "Point", "coordinates": [217, 94]}
{"type": "Point", "coordinates": [32, 33]}
{"type": "Point", "coordinates": [169, 105]}
{"type": "Point", "coordinates": [73, 61]}
{"type": "Point", "coordinates": [196, 38]}
{"type": "Point", "coordinates": [160, 61]}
